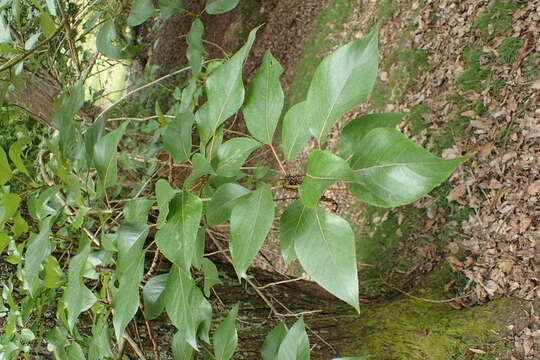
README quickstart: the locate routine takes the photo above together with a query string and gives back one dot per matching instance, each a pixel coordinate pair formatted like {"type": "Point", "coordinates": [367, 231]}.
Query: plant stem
{"type": "Point", "coordinates": [277, 159]}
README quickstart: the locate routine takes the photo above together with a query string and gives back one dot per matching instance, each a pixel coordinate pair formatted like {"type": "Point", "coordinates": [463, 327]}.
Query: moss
{"type": "Point", "coordinates": [474, 74]}
{"type": "Point", "coordinates": [413, 329]}
{"type": "Point", "coordinates": [416, 118]}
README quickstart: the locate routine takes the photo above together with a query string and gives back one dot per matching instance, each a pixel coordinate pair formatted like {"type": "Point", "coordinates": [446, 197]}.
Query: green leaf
{"type": "Point", "coordinates": [233, 154]}
{"type": "Point", "coordinates": [93, 133]}
{"type": "Point", "coordinates": [170, 7]}
{"type": "Point", "coordinates": [177, 239]}
{"type": "Point", "coordinates": [100, 343]}
{"type": "Point", "coordinates": [136, 210]}
{"type": "Point", "coordinates": [15, 151]}
{"type": "Point", "coordinates": [10, 204]}
{"type": "Point", "coordinates": [225, 88]}
{"type": "Point", "coordinates": [20, 226]}
{"type": "Point", "coordinates": [164, 194]}
{"type": "Point", "coordinates": [53, 273]}
{"type": "Point", "coordinates": [64, 121]}
{"type": "Point", "coordinates": [51, 6]}
{"type": "Point", "coordinates": [264, 100]}
{"type": "Point", "coordinates": [186, 306]}
{"type": "Point", "coordinates": [295, 345]}
{"type": "Point", "coordinates": [325, 246]}
{"type": "Point", "coordinates": [272, 342]}
{"type": "Point", "coordinates": [105, 156]}
{"type": "Point", "coordinates": [129, 271]}
{"type": "Point", "coordinates": [251, 220]}
{"type": "Point", "coordinates": [391, 170]}
{"type": "Point", "coordinates": [5, 34]}
{"type": "Point", "coordinates": [32, 40]}
{"type": "Point", "coordinates": [152, 296]}
{"type": "Point", "coordinates": [211, 276]}
{"type": "Point", "coordinates": [180, 348]}
{"type": "Point", "coordinates": [342, 80]}
{"type": "Point", "coordinates": [177, 137]}
{"type": "Point", "coordinates": [39, 249]}
{"type": "Point", "coordinates": [47, 24]}
{"type": "Point", "coordinates": [225, 339]}
{"type": "Point", "coordinates": [140, 11]}
{"type": "Point", "coordinates": [323, 170]}
{"type": "Point", "coordinates": [216, 7]}
{"type": "Point", "coordinates": [77, 297]}
{"type": "Point", "coordinates": [356, 129]}
{"type": "Point", "coordinates": [195, 50]}
{"type": "Point", "coordinates": [106, 39]}
{"type": "Point", "coordinates": [294, 134]}
{"type": "Point", "coordinates": [290, 224]}
{"type": "Point", "coordinates": [352, 358]}
{"type": "Point", "coordinates": [4, 241]}
{"type": "Point", "coordinates": [199, 167]}
{"type": "Point", "coordinates": [5, 169]}
{"type": "Point", "coordinates": [225, 198]}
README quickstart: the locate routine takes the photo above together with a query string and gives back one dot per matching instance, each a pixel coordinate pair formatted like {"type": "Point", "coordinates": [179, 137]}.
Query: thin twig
{"type": "Point", "coordinates": [277, 159]}
{"type": "Point", "coordinates": [426, 300]}
{"type": "Point", "coordinates": [255, 287]}
{"type": "Point", "coordinates": [282, 282]}
{"type": "Point", "coordinates": [134, 346]}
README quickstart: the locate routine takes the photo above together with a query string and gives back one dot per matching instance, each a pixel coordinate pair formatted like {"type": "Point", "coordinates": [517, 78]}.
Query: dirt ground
{"type": "Point", "coordinates": [447, 65]}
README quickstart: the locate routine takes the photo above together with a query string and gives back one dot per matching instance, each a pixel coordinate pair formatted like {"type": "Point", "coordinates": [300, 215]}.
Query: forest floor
{"type": "Point", "coordinates": [467, 76]}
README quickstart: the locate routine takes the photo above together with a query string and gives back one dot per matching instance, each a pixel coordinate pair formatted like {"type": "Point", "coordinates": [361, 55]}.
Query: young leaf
{"type": "Point", "coordinates": [232, 155]}
{"type": "Point", "coordinates": [105, 39]}
{"type": "Point", "coordinates": [195, 50]}
{"type": "Point", "coordinates": [39, 248]}
{"type": "Point", "coordinates": [5, 169]}
{"type": "Point", "coordinates": [164, 194]}
{"type": "Point", "coordinates": [105, 156]}
{"type": "Point", "coordinates": [129, 270]}
{"type": "Point", "coordinates": [289, 227]}
{"type": "Point", "coordinates": [64, 121]}
{"type": "Point", "coordinates": [391, 170]}
{"type": "Point", "coordinates": [356, 129]}
{"type": "Point", "coordinates": [152, 296]}
{"type": "Point", "coordinates": [177, 239]}
{"type": "Point", "coordinates": [15, 151]}
{"type": "Point", "coordinates": [323, 170]}
{"type": "Point", "coordinates": [225, 339]}
{"type": "Point", "coordinates": [294, 131]}
{"type": "Point", "coordinates": [92, 135]}
{"type": "Point", "coordinates": [272, 342]}
{"type": "Point", "coordinates": [325, 246]}
{"type": "Point", "coordinates": [170, 7]}
{"type": "Point", "coordinates": [136, 210]}
{"type": "Point", "coordinates": [186, 306]}
{"type": "Point", "coordinates": [225, 198]}
{"type": "Point", "coordinates": [177, 137]}
{"type": "Point", "coordinates": [199, 167]}
{"type": "Point", "coordinates": [140, 11]}
{"type": "Point", "coordinates": [342, 80]}
{"type": "Point", "coordinates": [180, 348]}
{"type": "Point", "coordinates": [216, 7]}
{"type": "Point", "coordinates": [77, 297]}
{"type": "Point", "coordinates": [251, 220]}
{"type": "Point", "coordinates": [47, 24]}
{"type": "Point", "coordinates": [295, 345]}
{"type": "Point", "coordinates": [264, 100]}
{"type": "Point", "coordinates": [224, 87]}
{"type": "Point", "coordinates": [211, 276]}
{"type": "Point", "coordinates": [8, 206]}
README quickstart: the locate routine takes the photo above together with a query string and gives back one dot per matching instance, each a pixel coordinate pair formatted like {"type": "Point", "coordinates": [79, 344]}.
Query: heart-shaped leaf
{"type": "Point", "coordinates": [391, 170]}
{"type": "Point", "coordinates": [325, 246]}
{"type": "Point", "coordinates": [323, 170]}
{"type": "Point", "coordinates": [225, 339]}
{"type": "Point", "coordinates": [140, 11]}
{"type": "Point", "coordinates": [251, 220]}
{"type": "Point", "coordinates": [224, 199]}
{"type": "Point", "coordinates": [294, 134]}
{"type": "Point", "coordinates": [264, 100]}
{"type": "Point", "coordinates": [233, 154]}
{"type": "Point", "coordinates": [356, 129]}
{"type": "Point", "coordinates": [216, 7]}
{"type": "Point", "coordinates": [343, 80]}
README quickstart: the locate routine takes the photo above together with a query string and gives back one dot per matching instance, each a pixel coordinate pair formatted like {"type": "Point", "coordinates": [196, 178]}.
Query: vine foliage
{"type": "Point", "coordinates": [96, 212]}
